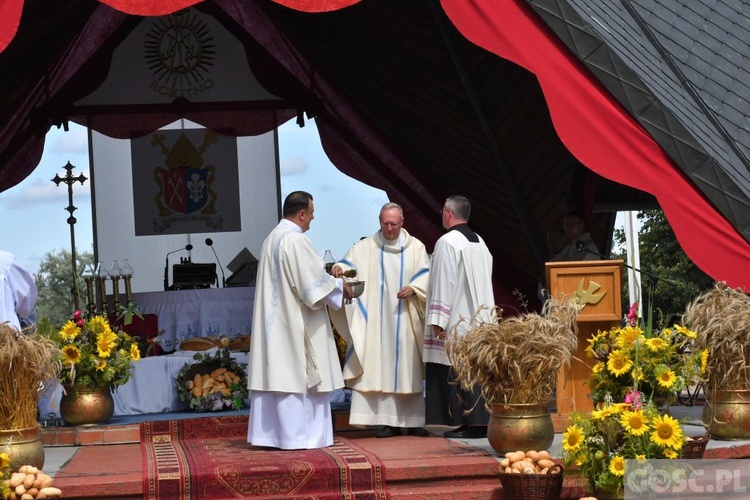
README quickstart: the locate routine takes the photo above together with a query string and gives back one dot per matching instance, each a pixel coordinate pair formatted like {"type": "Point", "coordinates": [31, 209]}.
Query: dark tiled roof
{"type": "Point", "coordinates": [682, 69]}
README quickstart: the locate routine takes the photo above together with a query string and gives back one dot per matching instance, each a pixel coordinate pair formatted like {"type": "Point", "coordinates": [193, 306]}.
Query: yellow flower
{"type": "Point", "coordinates": [688, 333]}
{"type": "Point", "coordinates": [628, 336]}
{"type": "Point", "coordinates": [670, 453]}
{"type": "Point", "coordinates": [637, 374]}
{"type": "Point", "coordinates": [101, 365]}
{"type": "Point", "coordinates": [619, 363]}
{"type": "Point", "coordinates": [598, 367]}
{"type": "Point", "coordinates": [105, 341]}
{"type": "Point", "coordinates": [572, 438]}
{"type": "Point", "coordinates": [640, 457]}
{"type": "Point", "coordinates": [4, 460]}
{"type": "Point", "coordinates": [666, 378]}
{"type": "Point", "coordinates": [667, 432]}
{"type": "Point", "coordinates": [602, 414]}
{"type": "Point", "coordinates": [69, 331]}
{"type": "Point", "coordinates": [704, 360]}
{"type": "Point", "coordinates": [634, 422]}
{"type": "Point", "coordinates": [617, 466]}
{"type": "Point", "coordinates": [98, 325]}
{"type": "Point", "coordinates": [135, 353]}
{"type": "Point", "coordinates": [656, 343]}
{"type": "Point", "coordinates": [71, 354]}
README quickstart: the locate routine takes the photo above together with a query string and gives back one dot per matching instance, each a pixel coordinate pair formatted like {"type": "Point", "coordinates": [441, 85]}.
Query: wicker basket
{"type": "Point", "coordinates": [694, 449]}
{"type": "Point", "coordinates": [532, 486]}
{"type": "Point", "coordinates": [241, 343]}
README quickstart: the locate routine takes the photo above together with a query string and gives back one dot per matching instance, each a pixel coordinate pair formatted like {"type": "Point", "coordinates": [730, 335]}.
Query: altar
{"type": "Point", "coordinates": [206, 312]}
{"type": "Point", "coordinates": [151, 389]}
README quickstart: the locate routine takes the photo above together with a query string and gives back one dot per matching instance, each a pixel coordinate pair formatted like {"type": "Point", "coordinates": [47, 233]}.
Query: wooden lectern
{"type": "Point", "coordinates": [596, 285]}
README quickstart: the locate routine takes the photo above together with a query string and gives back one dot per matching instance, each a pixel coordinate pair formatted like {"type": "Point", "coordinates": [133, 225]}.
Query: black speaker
{"type": "Point", "coordinates": [186, 276]}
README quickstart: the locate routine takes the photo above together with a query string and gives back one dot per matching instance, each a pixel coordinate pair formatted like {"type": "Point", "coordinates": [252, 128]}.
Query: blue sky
{"type": "Point", "coordinates": [35, 215]}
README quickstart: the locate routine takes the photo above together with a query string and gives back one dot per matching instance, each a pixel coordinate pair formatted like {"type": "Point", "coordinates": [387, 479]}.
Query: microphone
{"type": "Point", "coordinates": [579, 246]}
{"type": "Point", "coordinates": [210, 243]}
{"type": "Point", "coordinates": [188, 247]}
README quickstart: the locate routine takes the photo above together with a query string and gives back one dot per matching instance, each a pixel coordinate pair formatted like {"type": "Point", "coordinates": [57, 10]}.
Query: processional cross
{"type": "Point", "coordinates": [70, 180]}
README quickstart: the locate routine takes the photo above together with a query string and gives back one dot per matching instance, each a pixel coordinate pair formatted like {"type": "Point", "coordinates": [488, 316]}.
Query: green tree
{"type": "Point", "coordinates": [662, 256]}
{"type": "Point", "coordinates": [55, 283]}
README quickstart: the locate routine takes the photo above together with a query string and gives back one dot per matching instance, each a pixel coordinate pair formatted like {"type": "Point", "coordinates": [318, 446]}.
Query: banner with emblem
{"type": "Point", "coordinates": [185, 181]}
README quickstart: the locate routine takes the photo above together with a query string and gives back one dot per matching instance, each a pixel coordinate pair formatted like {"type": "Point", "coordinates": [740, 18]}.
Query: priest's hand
{"type": "Point", "coordinates": [405, 293]}
{"type": "Point", "coordinates": [438, 332]}
{"type": "Point", "coordinates": [347, 290]}
{"type": "Point", "coordinates": [337, 272]}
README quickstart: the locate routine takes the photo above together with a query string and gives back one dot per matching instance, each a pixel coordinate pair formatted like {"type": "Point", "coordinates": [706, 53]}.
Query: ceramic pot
{"type": "Point", "coordinates": [727, 414]}
{"type": "Point", "coordinates": [86, 406]}
{"type": "Point", "coordinates": [525, 427]}
{"type": "Point", "coordinates": [26, 447]}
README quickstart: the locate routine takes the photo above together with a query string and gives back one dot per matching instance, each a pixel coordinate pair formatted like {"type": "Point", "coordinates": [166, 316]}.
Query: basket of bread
{"type": "Point", "coordinates": [213, 382]}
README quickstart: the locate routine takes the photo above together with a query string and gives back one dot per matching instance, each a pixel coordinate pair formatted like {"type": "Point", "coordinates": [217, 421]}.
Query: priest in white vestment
{"type": "Point", "coordinates": [460, 290]}
{"type": "Point", "coordinates": [386, 324]}
{"type": "Point", "coordinates": [294, 365]}
{"type": "Point", "coordinates": [18, 291]}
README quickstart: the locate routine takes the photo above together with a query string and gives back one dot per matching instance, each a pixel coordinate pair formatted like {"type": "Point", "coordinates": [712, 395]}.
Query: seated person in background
{"type": "Point", "coordinates": [580, 245]}
{"type": "Point", "coordinates": [556, 243]}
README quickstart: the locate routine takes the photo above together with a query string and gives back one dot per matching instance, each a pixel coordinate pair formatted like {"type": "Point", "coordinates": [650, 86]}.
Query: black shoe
{"type": "Point", "coordinates": [467, 432]}
{"type": "Point", "coordinates": [418, 431]}
{"type": "Point", "coordinates": [387, 431]}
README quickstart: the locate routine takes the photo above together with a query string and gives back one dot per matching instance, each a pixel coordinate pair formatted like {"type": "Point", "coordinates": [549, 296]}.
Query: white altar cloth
{"type": "Point", "coordinates": [150, 390]}
{"type": "Point", "coordinates": [206, 312]}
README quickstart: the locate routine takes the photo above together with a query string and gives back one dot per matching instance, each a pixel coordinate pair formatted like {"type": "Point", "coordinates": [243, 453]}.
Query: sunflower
{"type": "Point", "coordinates": [101, 365]}
{"type": "Point", "coordinates": [666, 378]}
{"type": "Point", "coordinates": [597, 367]}
{"type": "Point", "coordinates": [105, 341]}
{"type": "Point", "coordinates": [69, 331]}
{"type": "Point", "coordinates": [135, 352]}
{"type": "Point", "coordinates": [603, 413]}
{"type": "Point", "coordinates": [97, 325]}
{"type": "Point", "coordinates": [617, 466]}
{"type": "Point", "coordinates": [704, 360]}
{"type": "Point", "coordinates": [670, 453]}
{"type": "Point", "coordinates": [667, 432]}
{"type": "Point", "coordinates": [619, 363]}
{"type": "Point", "coordinates": [572, 438]}
{"type": "Point", "coordinates": [634, 422]}
{"type": "Point", "coordinates": [71, 354]}
{"type": "Point", "coordinates": [656, 343]}
{"type": "Point", "coordinates": [628, 336]}
{"type": "Point", "coordinates": [688, 333]}
{"type": "Point", "coordinates": [4, 460]}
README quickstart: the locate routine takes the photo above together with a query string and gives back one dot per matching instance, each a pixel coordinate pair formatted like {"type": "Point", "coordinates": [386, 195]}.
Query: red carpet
{"type": "Point", "coordinates": [211, 458]}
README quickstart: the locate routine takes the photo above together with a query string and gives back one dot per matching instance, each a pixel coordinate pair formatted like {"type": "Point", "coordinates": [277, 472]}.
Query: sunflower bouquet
{"type": "Point", "coordinates": [4, 471]}
{"type": "Point", "coordinates": [598, 444]}
{"type": "Point", "coordinates": [659, 365]}
{"type": "Point", "coordinates": [93, 355]}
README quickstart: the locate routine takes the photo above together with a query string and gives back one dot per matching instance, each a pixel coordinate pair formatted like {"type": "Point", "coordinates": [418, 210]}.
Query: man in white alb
{"type": "Point", "coordinates": [294, 364]}
{"type": "Point", "coordinates": [460, 289]}
{"type": "Point", "coordinates": [387, 326]}
{"type": "Point", "coordinates": [18, 291]}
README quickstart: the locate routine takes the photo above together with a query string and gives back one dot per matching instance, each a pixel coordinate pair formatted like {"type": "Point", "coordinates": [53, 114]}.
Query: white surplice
{"type": "Point", "coordinates": [294, 364]}
{"type": "Point", "coordinates": [387, 333]}
{"type": "Point", "coordinates": [18, 292]}
{"type": "Point", "coordinates": [460, 288]}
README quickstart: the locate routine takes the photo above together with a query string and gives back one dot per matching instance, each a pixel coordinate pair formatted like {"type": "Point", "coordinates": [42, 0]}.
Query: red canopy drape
{"type": "Point", "coordinates": [601, 134]}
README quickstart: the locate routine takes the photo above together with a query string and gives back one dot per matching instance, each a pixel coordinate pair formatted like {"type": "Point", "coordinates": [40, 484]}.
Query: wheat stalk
{"type": "Point", "coordinates": [27, 361]}
{"type": "Point", "coordinates": [516, 360]}
{"type": "Point", "coordinates": [721, 319]}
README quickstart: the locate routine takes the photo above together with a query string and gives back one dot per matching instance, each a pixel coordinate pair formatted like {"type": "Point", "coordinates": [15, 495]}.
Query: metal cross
{"type": "Point", "coordinates": [70, 180]}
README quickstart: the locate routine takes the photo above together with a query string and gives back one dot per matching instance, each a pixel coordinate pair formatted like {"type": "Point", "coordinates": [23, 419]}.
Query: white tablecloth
{"type": "Point", "coordinates": [207, 312]}
{"type": "Point", "coordinates": [150, 390]}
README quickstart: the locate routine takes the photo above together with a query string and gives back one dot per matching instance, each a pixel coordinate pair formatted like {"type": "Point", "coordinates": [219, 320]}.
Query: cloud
{"type": "Point", "coordinates": [73, 142]}
{"type": "Point", "coordinates": [293, 165]}
{"type": "Point", "coordinates": [40, 192]}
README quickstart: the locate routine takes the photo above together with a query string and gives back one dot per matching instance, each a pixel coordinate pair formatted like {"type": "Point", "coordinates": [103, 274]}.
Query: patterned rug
{"type": "Point", "coordinates": [211, 458]}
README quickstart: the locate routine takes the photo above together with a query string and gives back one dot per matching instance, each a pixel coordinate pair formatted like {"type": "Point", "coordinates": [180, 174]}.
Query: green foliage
{"type": "Point", "coordinates": [55, 283]}
{"type": "Point", "coordinates": [662, 256]}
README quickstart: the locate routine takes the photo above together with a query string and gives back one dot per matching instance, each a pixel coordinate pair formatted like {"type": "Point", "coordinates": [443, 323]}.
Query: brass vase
{"type": "Point", "coordinates": [525, 427]}
{"type": "Point", "coordinates": [26, 447]}
{"type": "Point", "coordinates": [727, 414]}
{"type": "Point", "coordinates": [86, 406]}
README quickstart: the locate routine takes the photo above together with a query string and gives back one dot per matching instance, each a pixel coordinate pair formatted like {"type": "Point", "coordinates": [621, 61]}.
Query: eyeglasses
{"type": "Point", "coordinates": [390, 224]}
{"type": "Point", "coordinates": [443, 210]}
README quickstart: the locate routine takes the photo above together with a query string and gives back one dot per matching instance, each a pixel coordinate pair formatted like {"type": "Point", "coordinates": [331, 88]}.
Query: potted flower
{"type": "Point", "coordinates": [721, 318]}
{"type": "Point", "coordinates": [95, 359]}
{"type": "Point", "coordinates": [514, 362]}
{"type": "Point", "coordinates": [598, 444]}
{"type": "Point", "coordinates": [27, 359]}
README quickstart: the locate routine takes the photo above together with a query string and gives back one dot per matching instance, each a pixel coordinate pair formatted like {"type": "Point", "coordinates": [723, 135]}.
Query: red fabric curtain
{"type": "Point", "coordinates": [601, 134]}
{"type": "Point", "coordinates": [10, 16]}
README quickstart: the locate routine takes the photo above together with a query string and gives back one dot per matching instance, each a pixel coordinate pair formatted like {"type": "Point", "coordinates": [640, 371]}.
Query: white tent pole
{"type": "Point", "coordinates": [633, 259]}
